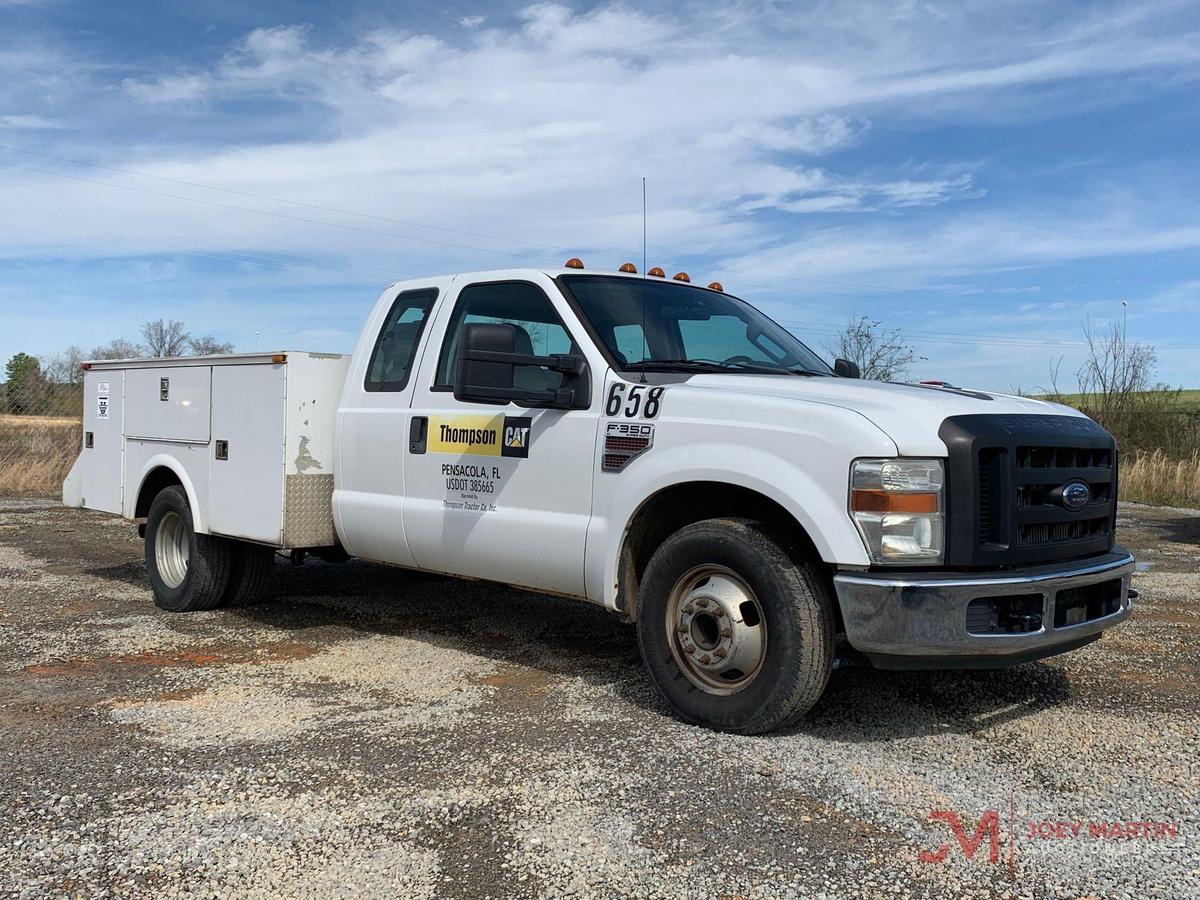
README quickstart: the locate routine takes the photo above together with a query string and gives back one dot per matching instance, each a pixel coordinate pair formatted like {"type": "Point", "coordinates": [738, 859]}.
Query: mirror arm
{"type": "Point", "coordinates": [556, 362]}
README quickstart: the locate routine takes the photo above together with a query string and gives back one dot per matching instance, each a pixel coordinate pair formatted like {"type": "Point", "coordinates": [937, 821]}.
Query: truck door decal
{"type": "Point", "coordinates": [481, 435]}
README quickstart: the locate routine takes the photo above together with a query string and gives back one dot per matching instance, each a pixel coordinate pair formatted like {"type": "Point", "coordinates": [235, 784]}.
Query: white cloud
{"type": "Point", "coordinates": [27, 121]}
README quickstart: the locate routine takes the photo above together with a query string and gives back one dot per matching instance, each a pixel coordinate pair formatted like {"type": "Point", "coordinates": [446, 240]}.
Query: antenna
{"type": "Point", "coordinates": [643, 226]}
{"type": "Point", "coordinates": [645, 343]}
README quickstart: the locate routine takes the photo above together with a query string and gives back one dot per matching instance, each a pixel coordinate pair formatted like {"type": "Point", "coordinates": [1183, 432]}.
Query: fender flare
{"type": "Point", "coordinates": [166, 461]}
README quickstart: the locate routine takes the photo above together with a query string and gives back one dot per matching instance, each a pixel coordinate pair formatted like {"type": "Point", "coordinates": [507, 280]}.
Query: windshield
{"type": "Point", "coordinates": [656, 325]}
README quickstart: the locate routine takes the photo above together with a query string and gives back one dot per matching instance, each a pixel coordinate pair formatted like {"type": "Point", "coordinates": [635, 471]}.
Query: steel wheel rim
{"type": "Point", "coordinates": [172, 549]}
{"type": "Point", "coordinates": [716, 630]}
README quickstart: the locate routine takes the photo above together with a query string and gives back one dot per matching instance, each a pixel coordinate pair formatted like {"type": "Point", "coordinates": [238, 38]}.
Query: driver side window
{"type": "Point", "coordinates": [540, 332]}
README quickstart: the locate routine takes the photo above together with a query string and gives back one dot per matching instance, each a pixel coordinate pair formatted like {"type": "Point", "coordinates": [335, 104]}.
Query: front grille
{"type": "Point", "coordinates": [1018, 469]}
{"type": "Point", "coordinates": [1030, 535]}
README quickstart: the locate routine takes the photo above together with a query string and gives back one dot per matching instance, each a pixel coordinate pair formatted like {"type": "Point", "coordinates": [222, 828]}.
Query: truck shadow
{"type": "Point", "coordinates": [565, 639]}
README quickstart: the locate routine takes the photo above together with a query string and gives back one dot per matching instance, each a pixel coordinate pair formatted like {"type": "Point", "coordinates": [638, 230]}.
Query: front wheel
{"type": "Point", "coordinates": [735, 628]}
{"type": "Point", "coordinates": [188, 571]}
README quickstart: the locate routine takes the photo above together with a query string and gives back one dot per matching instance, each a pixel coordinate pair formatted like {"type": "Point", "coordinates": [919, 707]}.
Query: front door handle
{"type": "Point", "coordinates": [418, 434]}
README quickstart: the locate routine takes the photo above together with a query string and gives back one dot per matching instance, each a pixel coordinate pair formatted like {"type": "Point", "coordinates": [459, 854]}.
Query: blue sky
{"type": "Point", "coordinates": [986, 176]}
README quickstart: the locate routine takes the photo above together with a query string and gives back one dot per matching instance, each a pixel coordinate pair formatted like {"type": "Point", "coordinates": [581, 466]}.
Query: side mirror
{"type": "Point", "coordinates": [485, 371]}
{"type": "Point", "coordinates": [846, 369]}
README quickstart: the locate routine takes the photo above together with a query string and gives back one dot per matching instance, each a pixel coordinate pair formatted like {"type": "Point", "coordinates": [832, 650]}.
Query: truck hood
{"type": "Point", "coordinates": [907, 413]}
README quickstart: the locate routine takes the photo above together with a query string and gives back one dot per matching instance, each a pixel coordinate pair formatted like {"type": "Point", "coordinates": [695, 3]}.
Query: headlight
{"type": "Point", "coordinates": [898, 507]}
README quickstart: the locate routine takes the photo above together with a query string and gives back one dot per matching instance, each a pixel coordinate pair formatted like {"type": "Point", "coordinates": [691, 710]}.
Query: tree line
{"type": "Point", "coordinates": [49, 385]}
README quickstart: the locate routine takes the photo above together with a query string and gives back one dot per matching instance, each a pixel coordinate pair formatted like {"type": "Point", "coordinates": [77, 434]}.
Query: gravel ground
{"type": "Point", "coordinates": [370, 731]}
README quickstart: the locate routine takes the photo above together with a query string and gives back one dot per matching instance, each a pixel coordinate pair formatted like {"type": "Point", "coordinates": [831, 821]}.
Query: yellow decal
{"type": "Point", "coordinates": [480, 435]}
{"type": "Point", "coordinates": [474, 435]}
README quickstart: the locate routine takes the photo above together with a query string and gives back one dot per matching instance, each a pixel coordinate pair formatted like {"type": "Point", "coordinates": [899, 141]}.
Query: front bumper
{"type": "Point", "coordinates": [920, 620]}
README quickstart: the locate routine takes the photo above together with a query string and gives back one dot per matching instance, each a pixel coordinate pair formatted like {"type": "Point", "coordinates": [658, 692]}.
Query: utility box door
{"type": "Point", "coordinates": [246, 486]}
{"type": "Point", "coordinates": [103, 469]}
{"type": "Point", "coordinates": [168, 404]}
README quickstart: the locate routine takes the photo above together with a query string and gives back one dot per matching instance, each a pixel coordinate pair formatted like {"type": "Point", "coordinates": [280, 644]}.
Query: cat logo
{"type": "Point", "coordinates": [516, 436]}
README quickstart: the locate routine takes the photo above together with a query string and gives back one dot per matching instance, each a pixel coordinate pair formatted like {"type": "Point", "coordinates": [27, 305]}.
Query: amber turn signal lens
{"type": "Point", "coordinates": [716, 286]}
{"type": "Point", "coordinates": [628, 267]}
{"type": "Point", "coordinates": [279, 358]}
{"type": "Point", "coordinates": [574, 263]}
{"type": "Point", "coordinates": [682, 276]}
{"type": "Point", "coordinates": [656, 272]}
{"type": "Point", "coordinates": [888, 501]}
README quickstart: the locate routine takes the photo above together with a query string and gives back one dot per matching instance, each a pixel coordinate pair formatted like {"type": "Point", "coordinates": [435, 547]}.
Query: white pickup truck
{"type": "Point", "coordinates": [659, 448]}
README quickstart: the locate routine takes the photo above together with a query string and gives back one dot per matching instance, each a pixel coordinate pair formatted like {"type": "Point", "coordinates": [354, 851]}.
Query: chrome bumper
{"type": "Point", "coordinates": [920, 620]}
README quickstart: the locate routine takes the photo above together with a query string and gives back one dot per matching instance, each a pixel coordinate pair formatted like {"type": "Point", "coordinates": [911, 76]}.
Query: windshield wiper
{"type": "Point", "coordinates": [712, 365]}
{"type": "Point", "coordinates": [698, 365]}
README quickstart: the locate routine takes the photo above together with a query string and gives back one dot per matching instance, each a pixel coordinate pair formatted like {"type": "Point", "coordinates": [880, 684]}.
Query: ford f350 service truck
{"type": "Point", "coordinates": [659, 448]}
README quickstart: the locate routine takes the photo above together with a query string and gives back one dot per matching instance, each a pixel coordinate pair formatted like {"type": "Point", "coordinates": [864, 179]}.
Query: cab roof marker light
{"type": "Point", "coordinates": [682, 276]}
{"type": "Point", "coordinates": [656, 272]}
{"type": "Point", "coordinates": [574, 263]}
{"type": "Point", "coordinates": [628, 267]}
{"type": "Point", "coordinates": [716, 286]}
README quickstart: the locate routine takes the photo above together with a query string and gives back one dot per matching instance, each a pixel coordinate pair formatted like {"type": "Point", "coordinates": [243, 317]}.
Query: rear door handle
{"type": "Point", "coordinates": [418, 434]}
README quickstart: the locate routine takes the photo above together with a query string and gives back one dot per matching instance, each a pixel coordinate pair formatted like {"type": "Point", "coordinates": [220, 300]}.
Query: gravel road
{"type": "Point", "coordinates": [372, 732]}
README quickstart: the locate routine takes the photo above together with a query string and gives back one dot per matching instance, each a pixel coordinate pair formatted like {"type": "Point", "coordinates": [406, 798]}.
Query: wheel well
{"type": "Point", "coordinates": [682, 504]}
{"type": "Point", "coordinates": [159, 478]}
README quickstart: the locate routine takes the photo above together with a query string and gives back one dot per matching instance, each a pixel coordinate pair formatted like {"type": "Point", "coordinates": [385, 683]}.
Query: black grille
{"type": "Point", "coordinates": [1006, 480]}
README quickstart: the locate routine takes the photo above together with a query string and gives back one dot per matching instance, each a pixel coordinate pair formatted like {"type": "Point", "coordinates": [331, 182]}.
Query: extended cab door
{"type": "Point", "coordinates": [374, 421]}
{"type": "Point", "coordinates": [499, 491]}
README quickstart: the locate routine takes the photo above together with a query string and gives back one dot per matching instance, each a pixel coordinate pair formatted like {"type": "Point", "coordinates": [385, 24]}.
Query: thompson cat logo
{"type": "Point", "coordinates": [481, 435]}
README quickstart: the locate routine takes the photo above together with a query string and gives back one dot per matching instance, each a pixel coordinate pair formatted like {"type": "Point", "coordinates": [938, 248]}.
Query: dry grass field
{"type": "Point", "coordinates": [1158, 479]}
{"type": "Point", "coordinates": [36, 452]}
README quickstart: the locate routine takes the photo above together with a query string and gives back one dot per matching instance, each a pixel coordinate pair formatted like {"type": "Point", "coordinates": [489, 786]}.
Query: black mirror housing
{"type": "Point", "coordinates": [846, 369]}
{"type": "Point", "coordinates": [485, 371]}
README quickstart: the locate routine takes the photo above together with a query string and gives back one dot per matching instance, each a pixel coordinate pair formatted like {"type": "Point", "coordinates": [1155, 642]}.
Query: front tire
{"type": "Point", "coordinates": [188, 571]}
{"type": "Point", "coordinates": [735, 626]}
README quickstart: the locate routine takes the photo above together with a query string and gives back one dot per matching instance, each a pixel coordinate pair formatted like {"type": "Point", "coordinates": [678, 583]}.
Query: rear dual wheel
{"type": "Point", "coordinates": [735, 626]}
{"type": "Point", "coordinates": [189, 571]}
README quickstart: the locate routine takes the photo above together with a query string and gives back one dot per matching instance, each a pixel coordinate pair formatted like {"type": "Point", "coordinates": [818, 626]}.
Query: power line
{"type": "Point", "coordinates": [300, 203]}
{"type": "Point", "coordinates": [785, 279]}
{"type": "Point", "coordinates": [261, 212]}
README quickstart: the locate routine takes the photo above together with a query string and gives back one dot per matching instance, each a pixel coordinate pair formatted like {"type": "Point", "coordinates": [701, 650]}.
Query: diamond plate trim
{"type": "Point", "coordinates": [308, 511]}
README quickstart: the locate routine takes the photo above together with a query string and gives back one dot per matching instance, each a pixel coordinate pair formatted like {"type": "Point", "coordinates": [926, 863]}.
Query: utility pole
{"type": "Point", "coordinates": [1124, 320]}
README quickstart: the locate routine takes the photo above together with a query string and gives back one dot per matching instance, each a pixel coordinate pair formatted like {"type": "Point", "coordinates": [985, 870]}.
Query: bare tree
{"type": "Point", "coordinates": [64, 368]}
{"type": "Point", "coordinates": [207, 345]}
{"type": "Point", "coordinates": [116, 349]}
{"type": "Point", "coordinates": [164, 338]}
{"type": "Point", "coordinates": [1116, 384]}
{"type": "Point", "coordinates": [882, 355]}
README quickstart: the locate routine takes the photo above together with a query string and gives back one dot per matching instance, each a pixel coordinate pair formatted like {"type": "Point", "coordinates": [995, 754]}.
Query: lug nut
{"type": "Point", "coordinates": [719, 612]}
{"type": "Point", "coordinates": [706, 659]}
{"type": "Point", "coordinates": [689, 648]}
{"type": "Point", "coordinates": [726, 632]}
{"type": "Point", "coordinates": [689, 609]}
{"type": "Point", "coordinates": [703, 601]}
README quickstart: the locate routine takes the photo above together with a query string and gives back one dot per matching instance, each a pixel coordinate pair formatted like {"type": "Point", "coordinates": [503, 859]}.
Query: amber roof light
{"type": "Point", "coordinates": [574, 263]}
{"type": "Point", "coordinates": [628, 267]}
{"type": "Point", "coordinates": [716, 286]}
{"type": "Point", "coordinates": [682, 276]}
{"type": "Point", "coordinates": [656, 272]}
